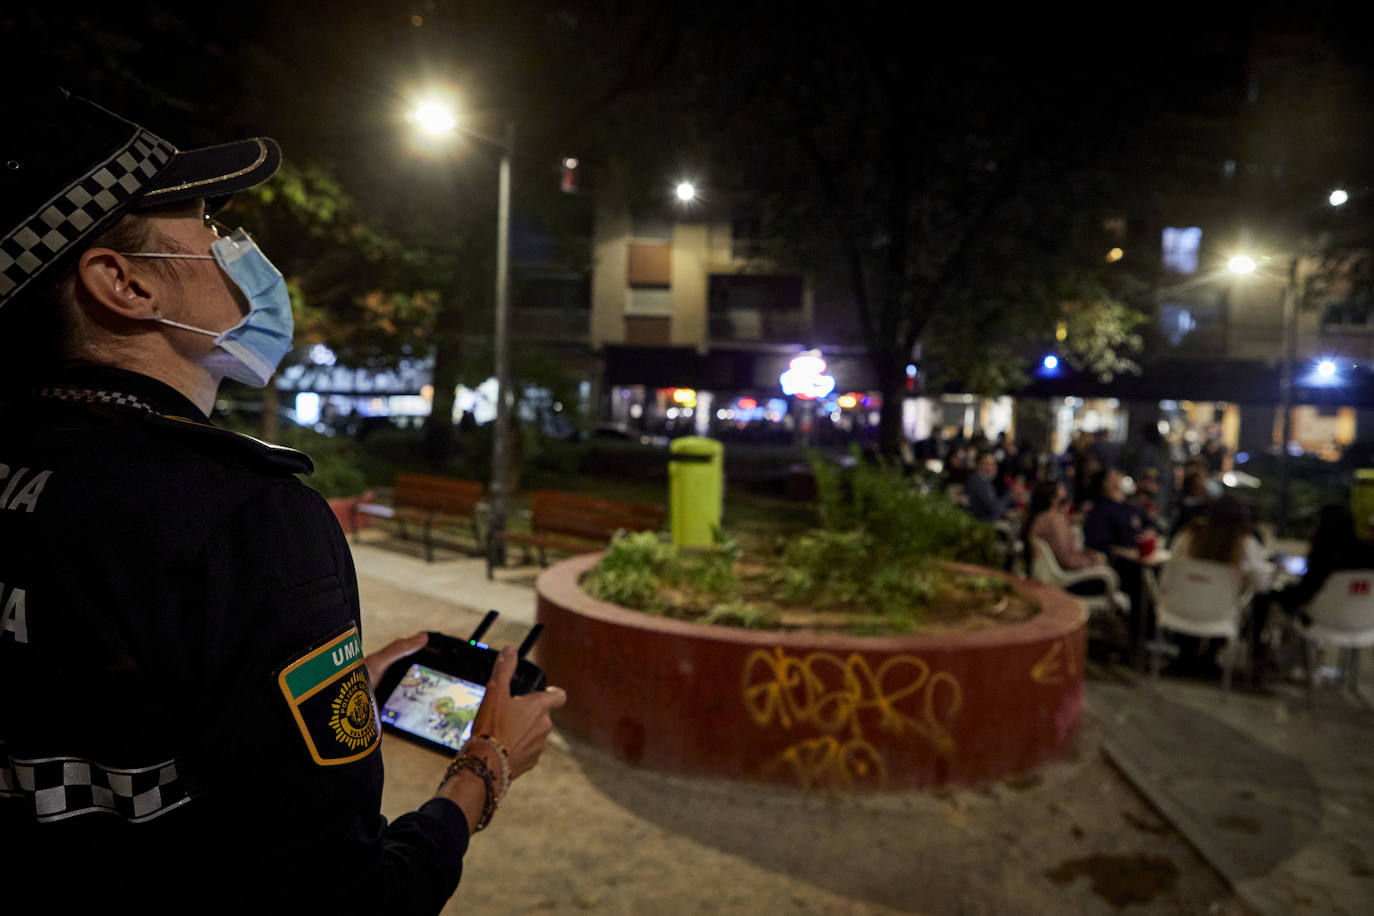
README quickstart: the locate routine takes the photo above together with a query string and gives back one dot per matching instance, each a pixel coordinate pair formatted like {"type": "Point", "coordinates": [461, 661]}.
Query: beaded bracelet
{"type": "Point", "coordinates": [476, 765]}
{"type": "Point", "coordinates": [505, 759]}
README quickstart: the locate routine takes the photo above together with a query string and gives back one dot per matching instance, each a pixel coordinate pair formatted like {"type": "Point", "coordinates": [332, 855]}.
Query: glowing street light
{"type": "Point", "coordinates": [1050, 362]}
{"type": "Point", "coordinates": [1241, 264]}
{"type": "Point", "coordinates": [1338, 197]}
{"type": "Point", "coordinates": [1326, 369]}
{"type": "Point", "coordinates": [434, 119]}
{"type": "Point", "coordinates": [686, 191]}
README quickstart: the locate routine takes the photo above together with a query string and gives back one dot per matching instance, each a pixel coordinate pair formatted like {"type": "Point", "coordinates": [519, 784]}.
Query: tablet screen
{"type": "Point", "coordinates": [433, 705]}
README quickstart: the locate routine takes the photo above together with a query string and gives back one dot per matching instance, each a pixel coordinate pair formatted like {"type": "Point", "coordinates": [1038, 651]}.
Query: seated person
{"type": "Point", "coordinates": [1193, 502]}
{"type": "Point", "coordinates": [1146, 491]}
{"type": "Point", "coordinates": [983, 501]}
{"type": "Point", "coordinates": [1045, 519]}
{"type": "Point", "coordinates": [1225, 534]}
{"type": "Point", "coordinates": [1334, 547]}
{"type": "Point", "coordinates": [1112, 521]}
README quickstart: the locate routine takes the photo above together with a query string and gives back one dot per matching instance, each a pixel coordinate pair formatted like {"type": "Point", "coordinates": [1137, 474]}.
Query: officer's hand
{"type": "Point", "coordinates": [379, 661]}
{"type": "Point", "coordinates": [521, 723]}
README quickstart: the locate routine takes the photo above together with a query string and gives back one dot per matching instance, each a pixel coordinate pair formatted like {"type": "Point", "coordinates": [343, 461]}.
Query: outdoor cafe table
{"type": "Point", "coordinates": [1157, 558]}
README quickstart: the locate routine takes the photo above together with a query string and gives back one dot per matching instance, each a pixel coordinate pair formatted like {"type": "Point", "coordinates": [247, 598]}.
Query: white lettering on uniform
{"type": "Point", "coordinates": [28, 497]}
{"type": "Point", "coordinates": [346, 652]}
{"type": "Point", "coordinates": [13, 620]}
{"type": "Point", "coordinates": [14, 482]}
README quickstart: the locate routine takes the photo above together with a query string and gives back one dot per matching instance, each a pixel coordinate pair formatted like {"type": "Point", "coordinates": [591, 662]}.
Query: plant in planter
{"type": "Point", "coordinates": [878, 564]}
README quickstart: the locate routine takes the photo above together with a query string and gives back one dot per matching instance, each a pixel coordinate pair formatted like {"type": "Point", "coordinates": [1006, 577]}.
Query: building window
{"type": "Point", "coordinates": [1181, 249]}
{"type": "Point", "coordinates": [568, 292]}
{"type": "Point", "coordinates": [650, 300]}
{"type": "Point", "coordinates": [650, 264]}
{"type": "Point", "coordinates": [754, 292]}
{"type": "Point", "coordinates": [746, 238]}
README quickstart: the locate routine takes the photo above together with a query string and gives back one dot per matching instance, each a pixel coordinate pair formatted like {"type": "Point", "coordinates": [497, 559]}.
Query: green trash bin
{"type": "Point", "coordinates": [1362, 502]}
{"type": "Point", "coordinates": [696, 490]}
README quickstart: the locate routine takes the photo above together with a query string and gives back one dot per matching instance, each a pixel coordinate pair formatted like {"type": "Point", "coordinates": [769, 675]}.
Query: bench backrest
{"type": "Point", "coordinates": [443, 494]}
{"type": "Point", "coordinates": [589, 518]}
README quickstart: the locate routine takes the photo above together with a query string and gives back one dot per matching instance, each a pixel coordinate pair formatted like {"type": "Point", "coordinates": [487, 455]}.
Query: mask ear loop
{"type": "Point", "coordinates": [190, 257]}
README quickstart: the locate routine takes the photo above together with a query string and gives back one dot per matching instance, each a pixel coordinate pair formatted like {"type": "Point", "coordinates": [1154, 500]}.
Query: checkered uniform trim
{"type": "Point", "coordinates": [92, 396]}
{"type": "Point", "coordinates": [67, 217]}
{"type": "Point", "coordinates": [63, 787]}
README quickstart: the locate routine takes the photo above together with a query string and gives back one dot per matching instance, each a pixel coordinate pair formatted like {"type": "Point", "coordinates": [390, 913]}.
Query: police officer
{"type": "Point", "coordinates": [186, 719]}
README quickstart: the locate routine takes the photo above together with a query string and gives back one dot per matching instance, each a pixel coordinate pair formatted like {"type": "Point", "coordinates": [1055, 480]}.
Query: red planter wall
{"type": "Point", "coordinates": [848, 713]}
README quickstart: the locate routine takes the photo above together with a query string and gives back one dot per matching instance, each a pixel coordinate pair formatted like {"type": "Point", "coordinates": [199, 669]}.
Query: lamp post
{"type": "Point", "coordinates": [438, 119]}
{"type": "Point", "coordinates": [1242, 264]}
{"type": "Point", "coordinates": [501, 343]}
{"type": "Point", "coordinates": [1290, 336]}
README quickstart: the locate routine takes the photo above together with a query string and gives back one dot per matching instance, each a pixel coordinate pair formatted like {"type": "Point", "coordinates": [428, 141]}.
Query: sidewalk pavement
{"type": "Point", "coordinates": [1279, 801]}
{"type": "Point", "coordinates": [1277, 797]}
{"type": "Point", "coordinates": [455, 577]}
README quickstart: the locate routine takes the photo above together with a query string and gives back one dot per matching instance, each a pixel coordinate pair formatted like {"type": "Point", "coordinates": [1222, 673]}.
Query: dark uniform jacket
{"type": "Point", "coordinates": [185, 721]}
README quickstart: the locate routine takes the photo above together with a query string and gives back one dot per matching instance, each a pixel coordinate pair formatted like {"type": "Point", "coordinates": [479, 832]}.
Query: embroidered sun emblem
{"type": "Point", "coordinates": [352, 717]}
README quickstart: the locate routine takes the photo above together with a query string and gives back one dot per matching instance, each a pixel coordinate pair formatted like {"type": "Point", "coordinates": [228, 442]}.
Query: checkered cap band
{"type": "Point", "coordinates": [94, 396]}
{"type": "Point", "coordinates": [74, 211]}
{"type": "Point", "coordinates": [63, 787]}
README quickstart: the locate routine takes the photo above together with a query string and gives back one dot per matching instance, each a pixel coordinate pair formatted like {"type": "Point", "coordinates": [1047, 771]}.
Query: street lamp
{"type": "Point", "coordinates": [1245, 265]}
{"type": "Point", "coordinates": [686, 191]}
{"type": "Point", "coordinates": [437, 119]}
{"type": "Point", "coordinates": [1337, 197]}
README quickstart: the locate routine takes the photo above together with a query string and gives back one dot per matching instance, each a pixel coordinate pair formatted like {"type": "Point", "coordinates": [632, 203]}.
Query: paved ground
{"type": "Point", "coordinates": [1278, 797]}
{"type": "Point", "coordinates": [585, 832]}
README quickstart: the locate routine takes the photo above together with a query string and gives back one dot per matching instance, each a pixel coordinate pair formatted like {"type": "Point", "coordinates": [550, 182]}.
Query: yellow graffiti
{"type": "Point", "coordinates": [1061, 663]}
{"type": "Point", "coordinates": [829, 694]}
{"type": "Point", "coordinates": [828, 762]}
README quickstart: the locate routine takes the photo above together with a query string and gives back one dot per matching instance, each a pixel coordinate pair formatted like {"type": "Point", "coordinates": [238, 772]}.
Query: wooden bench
{"type": "Point", "coordinates": [569, 523]}
{"type": "Point", "coordinates": [430, 501]}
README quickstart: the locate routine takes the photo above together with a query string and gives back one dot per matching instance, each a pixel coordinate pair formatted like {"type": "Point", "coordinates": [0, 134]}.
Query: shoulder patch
{"type": "Point", "coordinates": [331, 700]}
{"type": "Point", "coordinates": [264, 454]}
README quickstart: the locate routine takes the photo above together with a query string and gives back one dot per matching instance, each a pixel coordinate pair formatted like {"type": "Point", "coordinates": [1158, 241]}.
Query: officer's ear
{"type": "Point", "coordinates": [110, 281]}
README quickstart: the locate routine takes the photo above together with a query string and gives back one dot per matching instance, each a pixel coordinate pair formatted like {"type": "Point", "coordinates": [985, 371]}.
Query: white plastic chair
{"type": "Point", "coordinates": [1200, 598]}
{"type": "Point", "coordinates": [1342, 615]}
{"type": "Point", "coordinates": [1045, 568]}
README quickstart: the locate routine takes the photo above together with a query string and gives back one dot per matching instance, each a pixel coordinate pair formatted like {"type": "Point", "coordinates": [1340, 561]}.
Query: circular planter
{"type": "Point", "coordinates": [850, 713]}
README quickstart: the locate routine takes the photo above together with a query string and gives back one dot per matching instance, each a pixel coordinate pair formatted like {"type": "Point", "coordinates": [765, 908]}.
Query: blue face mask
{"type": "Point", "coordinates": [253, 348]}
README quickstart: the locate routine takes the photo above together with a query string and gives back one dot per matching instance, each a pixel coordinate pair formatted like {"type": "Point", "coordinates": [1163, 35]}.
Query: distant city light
{"type": "Point", "coordinates": [1050, 362]}
{"type": "Point", "coordinates": [1241, 264]}
{"type": "Point", "coordinates": [1338, 197]}
{"type": "Point", "coordinates": [910, 370]}
{"type": "Point", "coordinates": [686, 191]}
{"type": "Point", "coordinates": [1116, 254]}
{"type": "Point", "coordinates": [747, 403]}
{"type": "Point", "coordinates": [1326, 368]}
{"type": "Point", "coordinates": [321, 355]}
{"type": "Point", "coordinates": [307, 408]}
{"type": "Point", "coordinates": [1061, 331]}
{"type": "Point", "coordinates": [569, 163]}
{"type": "Point", "coordinates": [687, 397]}
{"type": "Point", "coordinates": [848, 400]}
{"type": "Point", "coordinates": [805, 377]}
{"type": "Point", "coordinates": [434, 119]}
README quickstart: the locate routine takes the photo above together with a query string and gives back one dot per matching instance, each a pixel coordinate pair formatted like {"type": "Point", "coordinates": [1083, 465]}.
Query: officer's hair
{"type": "Point", "coordinates": [39, 328]}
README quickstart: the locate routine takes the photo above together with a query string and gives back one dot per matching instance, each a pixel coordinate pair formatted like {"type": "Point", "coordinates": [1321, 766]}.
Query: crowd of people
{"type": "Point", "coordinates": [1092, 513]}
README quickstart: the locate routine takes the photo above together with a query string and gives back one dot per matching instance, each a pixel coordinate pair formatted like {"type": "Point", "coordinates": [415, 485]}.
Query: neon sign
{"type": "Point", "coordinates": [805, 377]}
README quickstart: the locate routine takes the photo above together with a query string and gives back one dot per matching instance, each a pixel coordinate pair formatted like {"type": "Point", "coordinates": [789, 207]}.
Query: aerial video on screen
{"type": "Point", "coordinates": [433, 705]}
